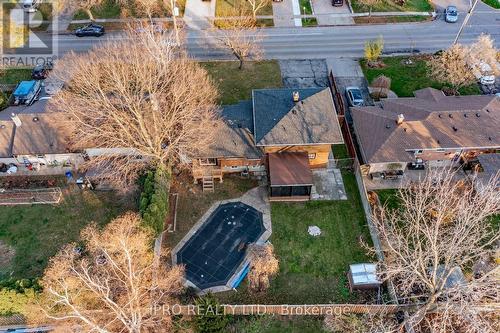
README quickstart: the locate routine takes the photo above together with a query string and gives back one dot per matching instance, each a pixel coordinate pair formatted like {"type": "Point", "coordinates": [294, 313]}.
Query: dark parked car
{"type": "Point", "coordinates": [90, 30]}
{"type": "Point", "coordinates": [337, 3]}
{"type": "Point", "coordinates": [40, 72]}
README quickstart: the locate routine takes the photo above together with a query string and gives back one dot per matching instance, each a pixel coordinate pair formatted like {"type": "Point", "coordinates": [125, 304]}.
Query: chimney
{"type": "Point", "coordinates": [401, 119]}
{"type": "Point", "coordinates": [16, 119]}
{"type": "Point", "coordinates": [296, 97]}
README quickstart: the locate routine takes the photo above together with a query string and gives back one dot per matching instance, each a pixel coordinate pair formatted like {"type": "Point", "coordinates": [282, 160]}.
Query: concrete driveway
{"type": "Point", "coordinates": [283, 12]}
{"type": "Point", "coordinates": [198, 13]}
{"type": "Point", "coordinates": [324, 7]}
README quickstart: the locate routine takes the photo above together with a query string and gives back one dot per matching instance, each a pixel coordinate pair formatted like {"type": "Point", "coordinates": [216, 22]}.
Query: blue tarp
{"type": "Point", "coordinates": [24, 88]}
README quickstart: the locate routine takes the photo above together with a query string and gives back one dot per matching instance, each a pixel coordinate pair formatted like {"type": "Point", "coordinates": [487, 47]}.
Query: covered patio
{"type": "Point", "coordinates": [290, 177]}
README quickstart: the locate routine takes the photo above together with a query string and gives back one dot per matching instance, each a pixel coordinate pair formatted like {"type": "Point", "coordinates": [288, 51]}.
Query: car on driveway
{"type": "Point", "coordinates": [451, 14]}
{"type": "Point", "coordinates": [40, 72]}
{"type": "Point", "coordinates": [92, 29]}
{"type": "Point", "coordinates": [354, 96]}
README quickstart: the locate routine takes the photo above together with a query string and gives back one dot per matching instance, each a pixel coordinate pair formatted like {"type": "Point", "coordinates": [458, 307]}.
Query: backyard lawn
{"type": "Point", "coordinates": [392, 6]}
{"type": "Point", "coordinates": [313, 269]}
{"type": "Point", "coordinates": [35, 233]}
{"type": "Point", "coordinates": [236, 85]}
{"type": "Point", "coordinates": [408, 78]}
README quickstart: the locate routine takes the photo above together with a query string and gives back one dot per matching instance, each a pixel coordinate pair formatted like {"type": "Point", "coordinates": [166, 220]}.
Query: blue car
{"type": "Point", "coordinates": [92, 29]}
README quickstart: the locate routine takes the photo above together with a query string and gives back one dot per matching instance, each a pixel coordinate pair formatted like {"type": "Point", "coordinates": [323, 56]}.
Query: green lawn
{"type": "Point", "coordinates": [492, 3]}
{"type": "Point", "coordinates": [391, 6]}
{"type": "Point", "coordinates": [236, 85]}
{"type": "Point", "coordinates": [111, 9]}
{"type": "Point", "coordinates": [37, 232]}
{"type": "Point", "coordinates": [313, 269]}
{"type": "Point", "coordinates": [15, 75]}
{"type": "Point", "coordinates": [407, 79]}
{"type": "Point", "coordinates": [340, 152]}
{"type": "Point", "coordinates": [278, 325]}
{"type": "Point", "coordinates": [225, 7]}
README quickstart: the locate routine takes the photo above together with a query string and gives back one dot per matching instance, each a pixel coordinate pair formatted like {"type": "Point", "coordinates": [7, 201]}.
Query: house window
{"type": "Point", "coordinates": [417, 152]}
{"type": "Point", "coordinates": [312, 156]}
{"type": "Point", "coordinates": [440, 150]}
{"type": "Point", "coordinates": [40, 156]}
{"type": "Point", "coordinates": [208, 161]}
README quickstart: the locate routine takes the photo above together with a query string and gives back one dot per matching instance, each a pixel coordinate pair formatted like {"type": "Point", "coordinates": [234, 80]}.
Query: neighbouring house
{"type": "Point", "coordinates": [283, 133]}
{"type": "Point", "coordinates": [36, 142]}
{"type": "Point", "coordinates": [428, 130]}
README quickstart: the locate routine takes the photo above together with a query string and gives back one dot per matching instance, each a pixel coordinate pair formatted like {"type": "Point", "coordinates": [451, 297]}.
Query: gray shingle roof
{"type": "Point", "coordinates": [42, 136]}
{"type": "Point", "coordinates": [280, 121]}
{"type": "Point", "coordinates": [239, 115]}
{"type": "Point", "coordinates": [432, 120]}
{"type": "Point", "coordinates": [232, 142]}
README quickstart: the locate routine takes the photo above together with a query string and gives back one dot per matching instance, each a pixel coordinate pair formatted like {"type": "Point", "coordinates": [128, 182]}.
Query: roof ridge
{"type": "Point", "coordinates": [286, 115]}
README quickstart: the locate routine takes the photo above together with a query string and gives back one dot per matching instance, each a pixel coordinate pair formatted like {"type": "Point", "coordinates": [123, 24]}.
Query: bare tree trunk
{"type": "Point", "coordinates": [89, 13]}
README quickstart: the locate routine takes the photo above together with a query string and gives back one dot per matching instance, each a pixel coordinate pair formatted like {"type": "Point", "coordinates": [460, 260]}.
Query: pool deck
{"type": "Point", "coordinates": [256, 198]}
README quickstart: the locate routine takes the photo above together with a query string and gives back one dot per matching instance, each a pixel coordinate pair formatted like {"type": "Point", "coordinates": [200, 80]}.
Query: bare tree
{"type": "Point", "coordinates": [451, 67]}
{"type": "Point", "coordinates": [111, 283]}
{"type": "Point", "coordinates": [141, 100]}
{"type": "Point", "coordinates": [239, 34]}
{"type": "Point", "coordinates": [442, 228]}
{"type": "Point", "coordinates": [483, 51]}
{"type": "Point", "coordinates": [257, 5]}
{"type": "Point", "coordinates": [263, 266]}
{"type": "Point", "coordinates": [85, 5]}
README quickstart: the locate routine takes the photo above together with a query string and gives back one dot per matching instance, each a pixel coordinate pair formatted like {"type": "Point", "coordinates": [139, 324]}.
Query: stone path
{"type": "Point", "coordinates": [328, 183]}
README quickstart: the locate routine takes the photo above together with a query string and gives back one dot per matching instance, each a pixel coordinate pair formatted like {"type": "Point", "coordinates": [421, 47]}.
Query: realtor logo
{"type": "Point", "coordinates": [23, 37]}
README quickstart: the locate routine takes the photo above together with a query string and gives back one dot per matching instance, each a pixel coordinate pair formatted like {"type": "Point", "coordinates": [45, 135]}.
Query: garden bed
{"type": "Point", "coordinates": [392, 6]}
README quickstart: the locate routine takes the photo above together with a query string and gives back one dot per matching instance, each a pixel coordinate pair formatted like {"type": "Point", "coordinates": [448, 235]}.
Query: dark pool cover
{"type": "Point", "coordinates": [215, 251]}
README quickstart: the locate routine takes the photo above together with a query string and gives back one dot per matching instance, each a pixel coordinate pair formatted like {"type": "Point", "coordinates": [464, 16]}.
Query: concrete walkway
{"type": "Point", "coordinates": [324, 7]}
{"type": "Point", "coordinates": [198, 13]}
{"type": "Point", "coordinates": [284, 11]}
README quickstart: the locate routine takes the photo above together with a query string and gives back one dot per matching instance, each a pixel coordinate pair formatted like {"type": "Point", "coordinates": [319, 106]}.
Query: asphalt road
{"type": "Point", "coordinates": [324, 42]}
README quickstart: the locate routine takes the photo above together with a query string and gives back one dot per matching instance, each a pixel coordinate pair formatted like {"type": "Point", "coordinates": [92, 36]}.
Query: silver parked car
{"type": "Point", "coordinates": [451, 14]}
{"type": "Point", "coordinates": [354, 96]}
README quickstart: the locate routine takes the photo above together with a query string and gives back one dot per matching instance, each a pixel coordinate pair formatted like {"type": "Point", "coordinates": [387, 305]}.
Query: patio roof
{"type": "Point", "coordinates": [290, 169]}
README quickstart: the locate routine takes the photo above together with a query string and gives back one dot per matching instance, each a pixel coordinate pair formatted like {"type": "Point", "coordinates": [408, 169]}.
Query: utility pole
{"type": "Point", "coordinates": [464, 23]}
{"type": "Point", "coordinates": [175, 12]}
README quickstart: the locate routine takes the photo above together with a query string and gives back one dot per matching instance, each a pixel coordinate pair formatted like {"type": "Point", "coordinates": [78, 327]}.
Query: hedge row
{"type": "Point", "coordinates": [153, 205]}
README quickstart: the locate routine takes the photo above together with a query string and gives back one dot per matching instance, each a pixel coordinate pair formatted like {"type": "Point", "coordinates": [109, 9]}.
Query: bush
{"type": "Point", "coordinates": [4, 100]}
{"type": "Point", "coordinates": [12, 302]}
{"type": "Point", "coordinates": [373, 50]}
{"type": "Point", "coordinates": [20, 286]}
{"type": "Point", "coordinates": [153, 205]}
{"type": "Point", "coordinates": [210, 319]}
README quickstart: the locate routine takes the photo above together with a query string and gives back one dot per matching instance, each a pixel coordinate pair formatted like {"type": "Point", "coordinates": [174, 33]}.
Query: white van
{"type": "Point", "coordinates": [484, 73]}
{"type": "Point", "coordinates": [30, 6]}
